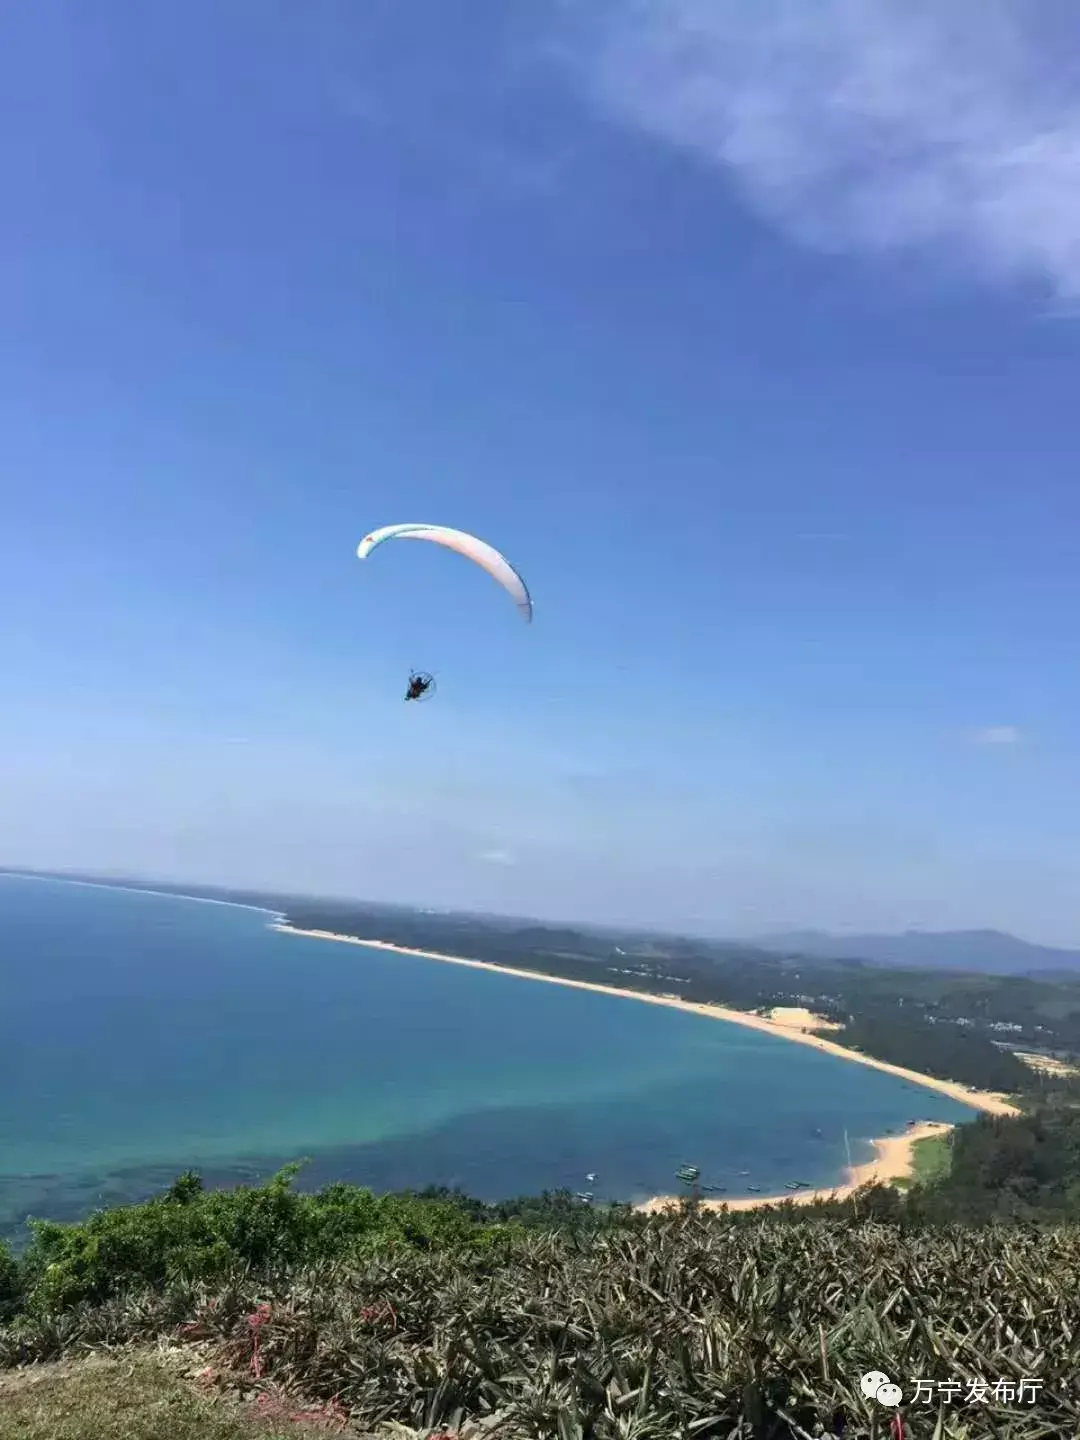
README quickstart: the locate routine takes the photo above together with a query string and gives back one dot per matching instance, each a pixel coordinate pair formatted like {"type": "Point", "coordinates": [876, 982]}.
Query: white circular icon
{"type": "Point", "coordinates": [872, 1382]}
{"type": "Point", "coordinates": [889, 1394]}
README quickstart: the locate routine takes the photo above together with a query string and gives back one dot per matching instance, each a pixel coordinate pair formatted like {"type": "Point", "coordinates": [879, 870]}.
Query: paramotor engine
{"type": "Point", "coordinates": [421, 686]}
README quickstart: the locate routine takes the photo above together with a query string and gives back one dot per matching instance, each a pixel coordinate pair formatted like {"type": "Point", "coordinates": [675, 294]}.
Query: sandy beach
{"type": "Point", "coordinates": [894, 1153]}
{"type": "Point", "coordinates": [894, 1159]}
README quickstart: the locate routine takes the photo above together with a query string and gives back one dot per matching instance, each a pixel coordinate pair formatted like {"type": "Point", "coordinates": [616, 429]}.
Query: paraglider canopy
{"type": "Point", "coordinates": [482, 554]}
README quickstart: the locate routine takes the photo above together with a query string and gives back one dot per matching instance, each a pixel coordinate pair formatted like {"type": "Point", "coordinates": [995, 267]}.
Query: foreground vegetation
{"type": "Point", "coordinates": [686, 1327]}
{"type": "Point", "coordinates": [547, 1318]}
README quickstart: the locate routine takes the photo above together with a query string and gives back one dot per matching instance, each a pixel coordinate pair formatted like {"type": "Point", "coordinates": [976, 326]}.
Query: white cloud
{"type": "Point", "coordinates": [498, 857]}
{"type": "Point", "coordinates": [951, 125]}
{"type": "Point", "coordinates": [996, 735]}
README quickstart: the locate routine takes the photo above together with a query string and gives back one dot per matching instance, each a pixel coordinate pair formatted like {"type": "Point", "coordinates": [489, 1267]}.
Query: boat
{"type": "Point", "coordinates": [688, 1174]}
{"type": "Point", "coordinates": [754, 1189]}
{"type": "Point", "coordinates": [744, 1172]}
{"type": "Point", "coordinates": [585, 1195]}
{"type": "Point", "coordinates": [590, 1178]}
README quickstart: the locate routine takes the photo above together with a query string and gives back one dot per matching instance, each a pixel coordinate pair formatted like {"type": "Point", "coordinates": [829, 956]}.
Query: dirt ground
{"type": "Point", "coordinates": [155, 1395]}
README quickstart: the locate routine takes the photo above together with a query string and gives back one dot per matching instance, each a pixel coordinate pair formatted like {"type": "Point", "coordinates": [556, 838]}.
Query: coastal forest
{"type": "Point", "coordinates": [953, 1025]}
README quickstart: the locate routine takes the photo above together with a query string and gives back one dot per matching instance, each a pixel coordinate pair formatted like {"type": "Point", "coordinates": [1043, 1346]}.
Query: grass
{"type": "Point", "coordinates": [932, 1159]}
{"type": "Point", "coordinates": [129, 1399]}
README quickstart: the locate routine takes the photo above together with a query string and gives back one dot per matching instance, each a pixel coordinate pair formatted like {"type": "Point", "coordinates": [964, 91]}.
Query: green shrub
{"type": "Point", "coordinates": [193, 1235]}
{"type": "Point", "coordinates": [10, 1283]}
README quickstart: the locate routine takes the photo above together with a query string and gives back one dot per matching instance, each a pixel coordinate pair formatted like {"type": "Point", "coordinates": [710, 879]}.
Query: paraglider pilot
{"type": "Point", "coordinates": [419, 686]}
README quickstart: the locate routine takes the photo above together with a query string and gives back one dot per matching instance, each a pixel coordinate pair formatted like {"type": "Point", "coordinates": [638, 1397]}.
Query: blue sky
{"type": "Point", "coordinates": [750, 335]}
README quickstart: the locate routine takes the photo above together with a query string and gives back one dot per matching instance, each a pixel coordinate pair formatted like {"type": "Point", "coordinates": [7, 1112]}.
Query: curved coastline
{"type": "Point", "coordinates": [277, 916]}
{"type": "Point", "coordinates": [894, 1154]}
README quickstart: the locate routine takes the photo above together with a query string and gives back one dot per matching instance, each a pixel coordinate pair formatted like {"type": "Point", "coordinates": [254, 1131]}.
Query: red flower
{"type": "Point", "coordinates": [373, 1314]}
{"type": "Point", "coordinates": [256, 1321]}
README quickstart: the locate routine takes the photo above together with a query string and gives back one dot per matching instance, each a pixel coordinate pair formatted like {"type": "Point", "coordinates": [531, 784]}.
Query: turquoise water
{"type": "Point", "coordinates": [141, 1034]}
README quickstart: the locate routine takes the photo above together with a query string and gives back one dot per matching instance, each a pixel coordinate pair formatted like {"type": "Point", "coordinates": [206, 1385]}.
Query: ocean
{"type": "Point", "coordinates": [144, 1034]}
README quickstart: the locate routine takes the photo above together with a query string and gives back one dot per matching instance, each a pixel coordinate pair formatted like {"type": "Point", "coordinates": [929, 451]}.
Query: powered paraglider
{"type": "Point", "coordinates": [421, 686]}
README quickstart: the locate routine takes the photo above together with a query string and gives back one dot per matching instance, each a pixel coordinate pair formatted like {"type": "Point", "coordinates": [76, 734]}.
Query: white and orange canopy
{"type": "Point", "coordinates": [486, 556]}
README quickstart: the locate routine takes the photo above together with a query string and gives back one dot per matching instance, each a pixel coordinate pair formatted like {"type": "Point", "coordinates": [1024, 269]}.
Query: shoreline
{"type": "Point", "coordinates": [894, 1159]}
{"type": "Point", "coordinates": [131, 889]}
{"type": "Point", "coordinates": [893, 1154]}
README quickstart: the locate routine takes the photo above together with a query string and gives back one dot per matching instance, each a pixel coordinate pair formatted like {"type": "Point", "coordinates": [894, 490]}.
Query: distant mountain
{"type": "Point", "coordinates": [988, 952]}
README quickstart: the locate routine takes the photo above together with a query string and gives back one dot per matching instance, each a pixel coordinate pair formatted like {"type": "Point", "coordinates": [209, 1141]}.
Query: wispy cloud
{"type": "Point", "coordinates": [498, 857]}
{"type": "Point", "coordinates": [938, 125]}
{"type": "Point", "coordinates": [996, 735]}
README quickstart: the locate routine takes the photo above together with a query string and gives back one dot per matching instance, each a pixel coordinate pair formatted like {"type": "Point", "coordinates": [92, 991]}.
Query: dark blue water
{"type": "Point", "coordinates": [142, 1034]}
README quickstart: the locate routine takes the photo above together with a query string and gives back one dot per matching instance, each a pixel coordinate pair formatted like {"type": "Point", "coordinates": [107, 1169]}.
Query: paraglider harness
{"type": "Point", "coordinates": [421, 686]}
